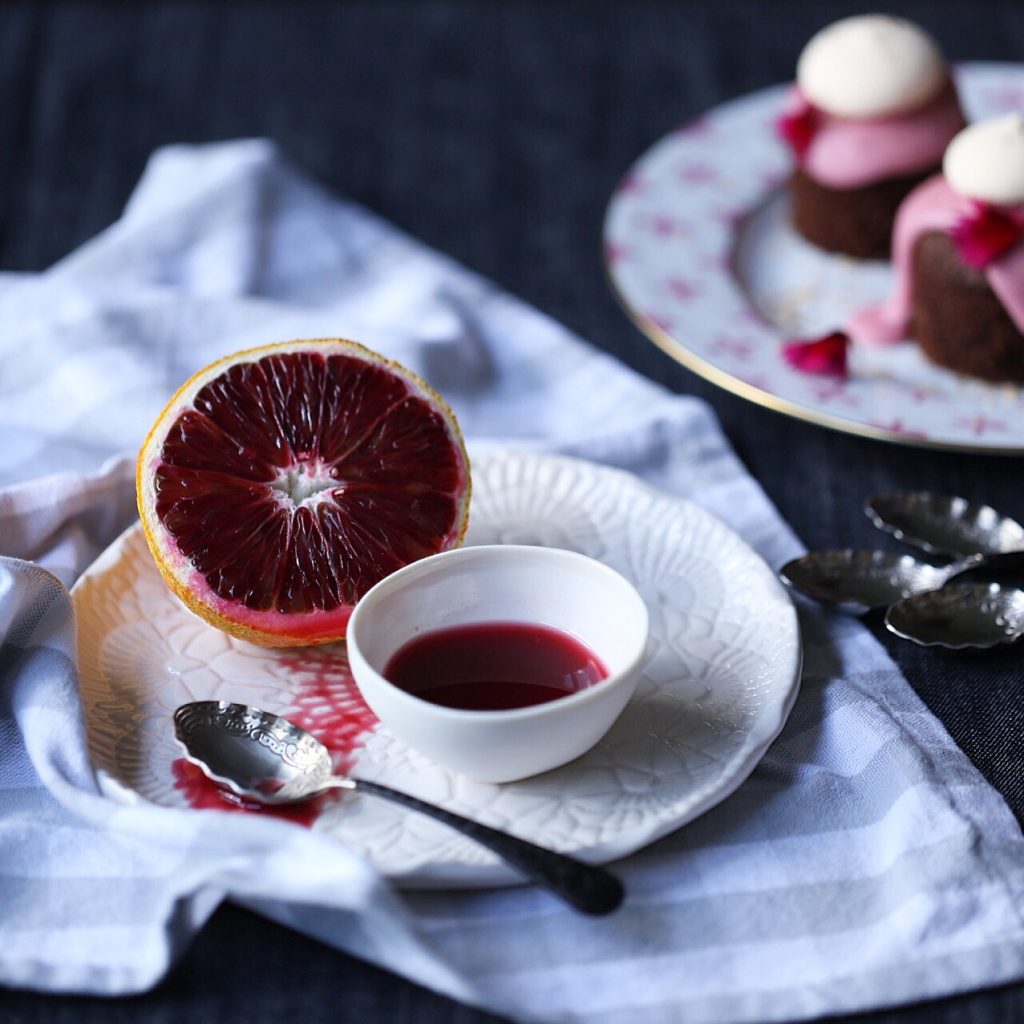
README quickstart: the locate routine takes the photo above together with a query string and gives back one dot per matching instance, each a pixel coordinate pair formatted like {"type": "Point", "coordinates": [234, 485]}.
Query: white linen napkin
{"type": "Point", "coordinates": [864, 863]}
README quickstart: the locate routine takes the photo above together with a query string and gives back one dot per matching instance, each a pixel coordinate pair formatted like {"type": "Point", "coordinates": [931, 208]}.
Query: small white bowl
{"type": "Point", "coordinates": [501, 583]}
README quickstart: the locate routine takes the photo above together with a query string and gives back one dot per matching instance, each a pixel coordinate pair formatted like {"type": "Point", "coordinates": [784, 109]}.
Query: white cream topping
{"type": "Point", "coordinates": [871, 65]}
{"type": "Point", "coordinates": [985, 161]}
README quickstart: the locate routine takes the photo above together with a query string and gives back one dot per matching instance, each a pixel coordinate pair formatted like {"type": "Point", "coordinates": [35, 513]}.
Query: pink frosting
{"type": "Point", "coordinates": [933, 206]}
{"type": "Point", "coordinates": [849, 153]}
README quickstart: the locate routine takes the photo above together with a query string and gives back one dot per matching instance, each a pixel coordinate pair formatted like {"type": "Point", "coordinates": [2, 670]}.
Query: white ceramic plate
{"type": "Point", "coordinates": [721, 675]}
{"type": "Point", "coordinates": [700, 250]}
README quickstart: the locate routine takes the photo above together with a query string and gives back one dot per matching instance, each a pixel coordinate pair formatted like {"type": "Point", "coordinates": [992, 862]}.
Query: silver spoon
{"type": "Point", "coordinates": [856, 582]}
{"type": "Point", "coordinates": [960, 616]}
{"type": "Point", "coordinates": [265, 758]}
{"type": "Point", "coordinates": [944, 525]}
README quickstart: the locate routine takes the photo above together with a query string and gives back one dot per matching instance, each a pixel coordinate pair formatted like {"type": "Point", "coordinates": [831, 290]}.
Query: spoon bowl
{"type": "Point", "coordinates": [267, 759]}
{"type": "Point", "coordinates": [254, 754]}
{"type": "Point", "coordinates": [943, 524]}
{"type": "Point", "coordinates": [856, 582]}
{"type": "Point", "coordinates": [961, 616]}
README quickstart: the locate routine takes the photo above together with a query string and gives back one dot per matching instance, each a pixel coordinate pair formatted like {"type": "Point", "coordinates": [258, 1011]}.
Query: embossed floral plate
{"type": "Point", "coordinates": [721, 675]}
{"type": "Point", "coordinates": [700, 250]}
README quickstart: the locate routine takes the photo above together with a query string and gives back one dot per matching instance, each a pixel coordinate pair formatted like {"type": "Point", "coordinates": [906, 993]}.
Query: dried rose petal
{"type": "Point", "coordinates": [824, 356]}
{"type": "Point", "coordinates": [797, 126]}
{"type": "Point", "coordinates": [984, 235]}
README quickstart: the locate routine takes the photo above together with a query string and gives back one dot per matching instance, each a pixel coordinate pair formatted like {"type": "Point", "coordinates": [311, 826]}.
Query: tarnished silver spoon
{"type": "Point", "coordinates": [855, 582]}
{"type": "Point", "coordinates": [943, 524]}
{"type": "Point", "coordinates": [960, 616]}
{"type": "Point", "coordinates": [267, 759]}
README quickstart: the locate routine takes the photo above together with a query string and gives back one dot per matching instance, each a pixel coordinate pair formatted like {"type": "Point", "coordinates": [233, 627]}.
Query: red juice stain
{"type": "Point", "coordinates": [326, 703]}
{"type": "Point", "coordinates": [494, 666]}
{"type": "Point", "coordinates": [204, 795]}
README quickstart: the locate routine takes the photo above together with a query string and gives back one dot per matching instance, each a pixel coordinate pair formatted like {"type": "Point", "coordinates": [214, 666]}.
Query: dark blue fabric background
{"type": "Point", "coordinates": [495, 133]}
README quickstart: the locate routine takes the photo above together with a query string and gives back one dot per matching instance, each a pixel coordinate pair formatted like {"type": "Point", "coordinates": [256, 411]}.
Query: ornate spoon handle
{"type": "Point", "coordinates": [589, 889]}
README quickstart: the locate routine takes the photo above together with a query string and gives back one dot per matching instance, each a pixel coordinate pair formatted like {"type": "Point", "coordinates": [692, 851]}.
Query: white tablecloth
{"type": "Point", "coordinates": [865, 862]}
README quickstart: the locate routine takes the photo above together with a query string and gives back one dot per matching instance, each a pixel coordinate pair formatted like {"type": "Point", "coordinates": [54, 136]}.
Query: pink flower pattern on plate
{"type": "Point", "coordinates": [897, 426]}
{"type": "Point", "coordinates": [740, 349]}
{"type": "Point", "coordinates": [698, 173]}
{"type": "Point", "coordinates": [979, 425]}
{"type": "Point", "coordinates": [682, 288]}
{"type": "Point", "coordinates": [664, 225]}
{"type": "Point", "coordinates": [615, 252]}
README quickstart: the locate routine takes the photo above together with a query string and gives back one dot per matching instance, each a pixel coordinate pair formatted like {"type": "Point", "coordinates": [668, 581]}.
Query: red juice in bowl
{"type": "Point", "coordinates": [494, 666]}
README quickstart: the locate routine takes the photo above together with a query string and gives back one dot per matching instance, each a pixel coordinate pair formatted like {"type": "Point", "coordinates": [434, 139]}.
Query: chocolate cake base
{"type": "Point", "coordinates": [957, 319]}
{"type": "Point", "coordinates": [855, 221]}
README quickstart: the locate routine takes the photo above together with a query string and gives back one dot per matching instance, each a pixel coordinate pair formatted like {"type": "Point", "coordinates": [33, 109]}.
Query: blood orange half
{"type": "Point", "coordinates": [280, 483]}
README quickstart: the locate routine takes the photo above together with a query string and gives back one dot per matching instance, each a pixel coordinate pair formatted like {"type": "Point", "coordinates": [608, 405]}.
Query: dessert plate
{"type": "Point", "coordinates": [700, 250]}
{"type": "Point", "coordinates": [721, 674]}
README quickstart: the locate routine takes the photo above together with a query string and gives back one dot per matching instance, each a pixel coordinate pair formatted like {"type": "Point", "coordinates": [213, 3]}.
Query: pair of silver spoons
{"type": "Point", "coordinates": [921, 602]}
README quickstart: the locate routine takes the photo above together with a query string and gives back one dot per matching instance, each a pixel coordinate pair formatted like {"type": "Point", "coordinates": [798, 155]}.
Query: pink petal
{"type": "Point", "coordinates": [823, 356]}
{"type": "Point", "coordinates": [984, 235]}
{"type": "Point", "coordinates": [798, 126]}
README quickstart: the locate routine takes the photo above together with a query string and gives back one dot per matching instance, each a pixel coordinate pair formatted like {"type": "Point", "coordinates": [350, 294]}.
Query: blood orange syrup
{"type": "Point", "coordinates": [494, 666]}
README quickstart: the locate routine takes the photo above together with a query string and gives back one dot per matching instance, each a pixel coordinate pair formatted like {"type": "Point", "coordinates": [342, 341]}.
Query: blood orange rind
{"type": "Point", "coordinates": [404, 492]}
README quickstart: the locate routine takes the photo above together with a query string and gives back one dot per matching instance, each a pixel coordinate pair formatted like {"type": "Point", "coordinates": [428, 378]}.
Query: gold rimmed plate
{"type": "Point", "coordinates": [701, 253]}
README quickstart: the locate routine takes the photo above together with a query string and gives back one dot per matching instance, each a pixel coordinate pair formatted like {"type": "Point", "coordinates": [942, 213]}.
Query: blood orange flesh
{"type": "Point", "coordinates": [281, 483]}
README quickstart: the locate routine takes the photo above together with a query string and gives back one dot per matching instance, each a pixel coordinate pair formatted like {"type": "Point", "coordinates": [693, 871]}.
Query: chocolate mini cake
{"type": "Point", "coordinates": [958, 259]}
{"type": "Point", "coordinates": [957, 319]}
{"type": "Point", "coordinates": [869, 118]}
{"type": "Point", "coordinates": [854, 221]}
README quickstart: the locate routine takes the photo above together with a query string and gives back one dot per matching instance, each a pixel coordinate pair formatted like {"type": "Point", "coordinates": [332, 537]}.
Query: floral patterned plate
{"type": "Point", "coordinates": [700, 251]}
{"type": "Point", "coordinates": [721, 675]}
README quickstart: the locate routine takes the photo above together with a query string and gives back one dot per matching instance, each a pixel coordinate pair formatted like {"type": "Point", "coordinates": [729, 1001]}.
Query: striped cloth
{"type": "Point", "coordinates": [864, 863]}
